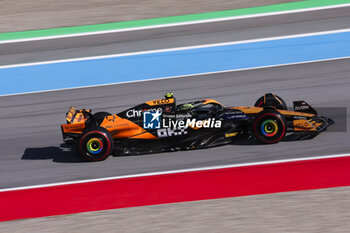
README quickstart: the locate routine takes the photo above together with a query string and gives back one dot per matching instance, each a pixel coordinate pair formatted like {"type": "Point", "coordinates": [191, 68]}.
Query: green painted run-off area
{"type": "Point", "coordinates": [168, 20]}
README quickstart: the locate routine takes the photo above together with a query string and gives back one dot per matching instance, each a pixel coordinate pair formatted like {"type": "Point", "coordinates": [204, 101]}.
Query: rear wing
{"type": "Point", "coordinates": [73, 115]}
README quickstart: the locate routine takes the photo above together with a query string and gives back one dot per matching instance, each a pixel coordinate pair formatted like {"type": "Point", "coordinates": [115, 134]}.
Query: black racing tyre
{"type": "Point", "coordinates": [269, 126]}
{"type": "Point", "coordinates": [282, 105]}
{"type": "Point", "coordinates": [100, 116]}
{"type": "Point", "coordinates": [95, 144]}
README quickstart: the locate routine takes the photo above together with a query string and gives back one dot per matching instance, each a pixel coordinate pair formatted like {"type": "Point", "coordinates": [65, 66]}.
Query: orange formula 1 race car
{"type": "Point", "coordinates": [162, 125]}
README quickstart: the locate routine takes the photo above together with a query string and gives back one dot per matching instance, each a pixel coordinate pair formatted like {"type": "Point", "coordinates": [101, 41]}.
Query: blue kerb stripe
{"type": "Point", "coordinates": [175, 63]}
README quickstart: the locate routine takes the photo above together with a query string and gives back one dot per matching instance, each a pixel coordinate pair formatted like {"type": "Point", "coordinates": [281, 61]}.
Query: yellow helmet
{"type": "Point", "coordinates": [169, 95]}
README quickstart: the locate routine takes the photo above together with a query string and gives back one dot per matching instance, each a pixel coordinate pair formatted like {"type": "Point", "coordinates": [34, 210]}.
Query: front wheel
{"type": "Point", "coordinates": [269, 127]}
{"type": "Point", "coordinates": [95, 144]}
{"type": "Point", "coordinates": [275, 101]}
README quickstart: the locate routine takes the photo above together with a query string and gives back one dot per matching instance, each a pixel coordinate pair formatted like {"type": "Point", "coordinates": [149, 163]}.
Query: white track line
{"type": "Point", "coordinates": [178, 171]}
{"type": "Point", "coordinates": [180, 76]}
{"type": "Point", "coordinates": [179, 48]}
{"type": "Point", "coordinates": [177, 24]}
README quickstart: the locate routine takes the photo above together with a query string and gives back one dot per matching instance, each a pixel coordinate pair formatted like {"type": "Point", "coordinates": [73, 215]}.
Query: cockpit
{"type": "Point", "coordinates": [201, 110]}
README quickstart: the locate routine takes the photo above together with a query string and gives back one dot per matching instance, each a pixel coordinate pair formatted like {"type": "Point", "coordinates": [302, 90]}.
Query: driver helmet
{"type": "Point", "coordinates": [169, 95]}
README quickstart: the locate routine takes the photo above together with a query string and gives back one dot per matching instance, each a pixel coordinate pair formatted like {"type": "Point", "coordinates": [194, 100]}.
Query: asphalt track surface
{"type": "Point", "coordinates": [216, 32]}
{"type": "Point", "coordinates": [30, 133]}
{"type": "Point", "coordinates": [29, 124]}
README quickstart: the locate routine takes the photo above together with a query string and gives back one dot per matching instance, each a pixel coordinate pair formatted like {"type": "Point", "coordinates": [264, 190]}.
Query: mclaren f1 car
{"type": "Point", "coordinates": [162, 125]}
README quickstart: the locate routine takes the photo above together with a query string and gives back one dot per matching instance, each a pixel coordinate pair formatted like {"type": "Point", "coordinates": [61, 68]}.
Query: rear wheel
{"type": "Point", "coordinates": [100, 116]}
{"type": "Point", "coordinates": [269, 127]}
{"type": "Point", "coordinates": [95, 144]}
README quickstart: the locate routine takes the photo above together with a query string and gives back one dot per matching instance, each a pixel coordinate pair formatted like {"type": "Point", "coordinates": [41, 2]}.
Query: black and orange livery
{"type": "Point", "coordinates": [268, 121]}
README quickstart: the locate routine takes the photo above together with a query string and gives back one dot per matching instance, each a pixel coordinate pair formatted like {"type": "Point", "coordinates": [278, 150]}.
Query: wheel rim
{"type": "Point", "coordinates": [269, 128]}
{"type": "Point", "coordinates": [94, 146]}
{"type": "Point", "coordinates": [274, 131]}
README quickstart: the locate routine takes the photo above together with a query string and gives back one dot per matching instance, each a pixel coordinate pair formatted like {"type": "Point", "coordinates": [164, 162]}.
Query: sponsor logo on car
{"type": "Point", "coordinates": [168, 132]}
{"type": "Point", "coordinates": [305, 124]}
{"type": "Point", "coordinates": [299, 117]}
{"type": "Point", "coordinates": [230, 116]}
{"type": "Point", "coordinates": [138, 112]}
{"type": "Point", "coordinates": [228, 135]}
{"type": "Point", "coordinates": [302, 107]}
{"type": "Point", "coordinates": [161, 101]}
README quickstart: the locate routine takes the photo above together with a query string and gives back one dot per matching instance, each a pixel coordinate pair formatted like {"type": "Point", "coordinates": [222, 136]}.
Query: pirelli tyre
{"type": "Point", "coordinates": [269, 127]}
{"type": "Point", "coordinates": [279, 104]}
{"type": "Point", "coordinates": [95, 144]}
{"type": "Point", "coordinates": [100, 116]}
